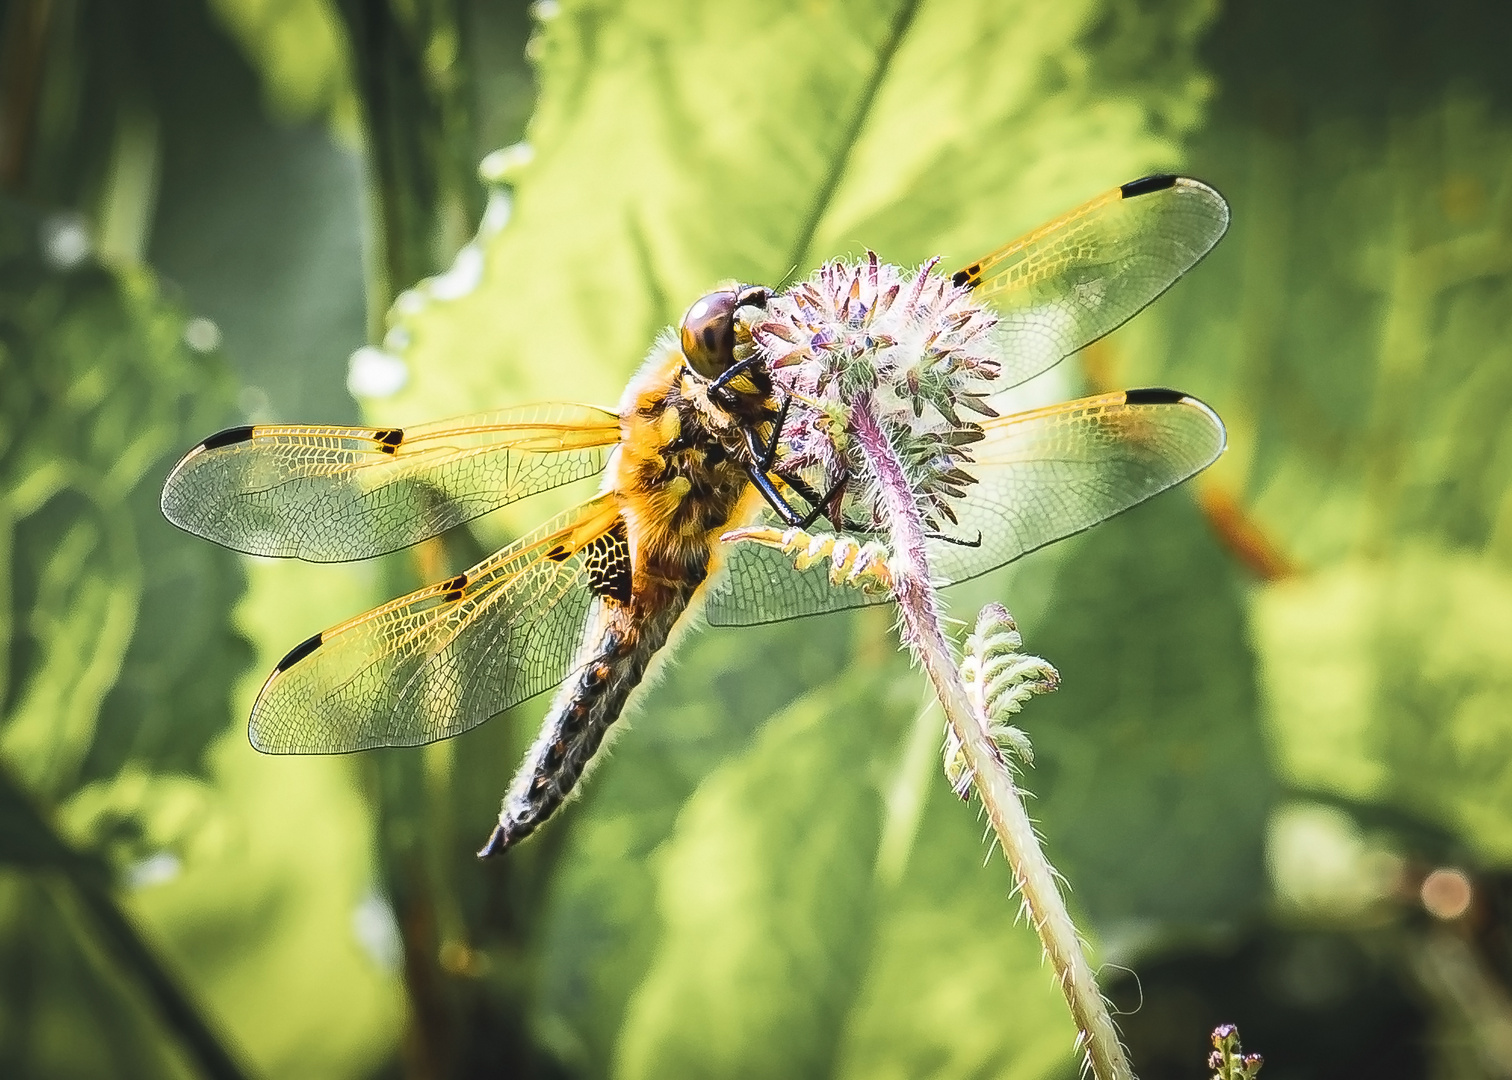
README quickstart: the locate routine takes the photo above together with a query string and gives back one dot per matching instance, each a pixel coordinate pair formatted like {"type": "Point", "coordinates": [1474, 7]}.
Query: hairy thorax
{"type": "Point", "coordinates": [678, 472]}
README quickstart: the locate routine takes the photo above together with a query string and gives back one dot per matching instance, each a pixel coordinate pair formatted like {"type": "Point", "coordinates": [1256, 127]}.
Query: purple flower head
{"type": "Point", "coordinates": [912, 342]}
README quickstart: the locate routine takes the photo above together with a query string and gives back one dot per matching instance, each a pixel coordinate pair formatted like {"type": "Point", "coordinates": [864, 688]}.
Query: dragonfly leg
{"type": "Point", "coordinates": [957, 541]}
{"type": "Point", "coordinates": [760, 469]}
{"type": "Point", "coordinates": [767, 456]}
{"type": "Point", "coordinates": [734, 371]}
{"type": "Point", "coordinates": [823, 504]}
{"type": "Point", "coordinates": [774, 498]}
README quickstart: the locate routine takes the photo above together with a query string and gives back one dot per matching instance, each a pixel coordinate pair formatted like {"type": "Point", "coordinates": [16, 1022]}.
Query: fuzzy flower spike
{"type": "Point", "coordinates": [879, 366]}
{"type": "Point", "coordinates": [912, 345]}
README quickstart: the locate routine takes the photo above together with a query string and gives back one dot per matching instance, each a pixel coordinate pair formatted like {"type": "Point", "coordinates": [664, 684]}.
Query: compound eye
{"type": "Point", "coordinates": [708, 333]}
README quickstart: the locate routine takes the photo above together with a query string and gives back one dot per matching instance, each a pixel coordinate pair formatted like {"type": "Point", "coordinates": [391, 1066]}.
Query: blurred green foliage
{"type": "Point", "coordinates": [1284, 702]}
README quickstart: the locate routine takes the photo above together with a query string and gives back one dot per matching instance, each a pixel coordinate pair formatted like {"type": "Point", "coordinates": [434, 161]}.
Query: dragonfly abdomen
{"type": "Point", "coordinates": [612, 664]}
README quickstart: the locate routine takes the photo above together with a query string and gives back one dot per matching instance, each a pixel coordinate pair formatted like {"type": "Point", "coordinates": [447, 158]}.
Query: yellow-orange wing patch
{"type": "Point", "coordinates": [328, 494]}
{"type": "Point", "coordinates": [1041, 476]}
{"type": "Point", "coordinates": [447, 657]}
{"type": "Point", "coordinates": [1071, 281]}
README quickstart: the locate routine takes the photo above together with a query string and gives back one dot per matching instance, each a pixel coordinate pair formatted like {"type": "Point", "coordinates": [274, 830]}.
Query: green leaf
{"type": "Point", "coordinates": [765, 894]}
{"type": "Point", "coordinates": [1150, 768]}
{"type": "Point", "coordinates": [25, 836]}
{"type": "Point", "coordinates": [70, 991]}
{"type": "Point", "coordinates": [957, 986]}
{"type": "Point", "coordinates": [121, 658]}
{"type": "Point", "coordinates": [793, 943]}
{"type": "Point", "coordinates": [102, 392]}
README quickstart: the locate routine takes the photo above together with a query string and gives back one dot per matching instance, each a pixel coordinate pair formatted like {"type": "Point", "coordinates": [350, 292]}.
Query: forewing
{"type": "Point", "coordinates": [445, 658]}
{"type": "Point", "coordinates": [328, 494]}
{"type": "Point", "coordinates": [1084, 274]}
{"type": "Point", "coordinates": [1041, 476]}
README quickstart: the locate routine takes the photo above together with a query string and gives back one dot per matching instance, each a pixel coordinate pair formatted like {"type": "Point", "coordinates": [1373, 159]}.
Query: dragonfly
{"type": "Point", "coordinates": [691, 451]}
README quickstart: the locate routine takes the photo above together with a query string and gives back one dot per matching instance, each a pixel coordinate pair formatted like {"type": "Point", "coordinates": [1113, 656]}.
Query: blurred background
{"type": "Point", "coordinates": [1278, 776]}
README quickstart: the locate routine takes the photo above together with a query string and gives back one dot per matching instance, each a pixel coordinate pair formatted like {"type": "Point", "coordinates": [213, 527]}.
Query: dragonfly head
{"type": "Point", "coordinates": [708, 328]}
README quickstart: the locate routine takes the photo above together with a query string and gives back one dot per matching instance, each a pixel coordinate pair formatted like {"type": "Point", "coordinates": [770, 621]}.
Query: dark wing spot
{"type": "Point", "coordinates": [1146, 184]}
{"type": "Point", "coordinates": [229, 437]}
{"type": "Point", "coordinates": [298, 653]}
{"type": "Point", "coordinates": [453, 584]}
{"type": "Point", "coordinates": [559, 553]}
{"type": "Point", "coordinates": [389, 439]}
{"type": "Point", "coordinates": [1153, 395]}
{"type": "Point", "coordinates": [967, 278]}
{"type": "Point", "coordinates": [608, 561]}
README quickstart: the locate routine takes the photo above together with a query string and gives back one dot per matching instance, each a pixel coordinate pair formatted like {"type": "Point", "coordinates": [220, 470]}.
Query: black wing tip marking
{"type": "Point", "coordinates": [298, 653]}
{"type": "Point", "coordinates": [1154, 395]}
{"type": "Point", "coordinates": [229, 437]}
{"type": "Point", "coordinates": [1147, 184]}
{"type": "Point", "coordinates": [1160, 395]}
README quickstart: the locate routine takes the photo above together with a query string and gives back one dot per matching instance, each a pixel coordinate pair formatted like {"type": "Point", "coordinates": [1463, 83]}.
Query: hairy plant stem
{"type": "Point", "coordinates": [1033, 874]}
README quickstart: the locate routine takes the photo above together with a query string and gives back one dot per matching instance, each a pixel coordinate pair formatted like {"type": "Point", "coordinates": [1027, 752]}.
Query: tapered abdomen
{"type": "Point", "coordinates": [616, 652]}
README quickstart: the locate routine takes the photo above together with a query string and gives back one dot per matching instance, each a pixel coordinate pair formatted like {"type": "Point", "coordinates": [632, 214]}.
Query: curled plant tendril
{"type": "Point", "coordinates": [999, 679]}
{"type": "Point", "coordinates": [1228, 1060]}
{"type": "Point", "coordinates": [860, 566]}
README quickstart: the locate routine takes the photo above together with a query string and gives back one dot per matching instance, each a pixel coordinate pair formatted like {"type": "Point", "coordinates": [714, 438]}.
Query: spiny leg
{"type": "Point", "coordinates": [758, 468]}
{"type": "Point", "coordinates": [821, 504]}
{"type": "Point", "coordinates": [734, 371]}
{"type": "Point", "coordinates": [774, 498]}
{"type": "Point", "coordinates": [766, 457]}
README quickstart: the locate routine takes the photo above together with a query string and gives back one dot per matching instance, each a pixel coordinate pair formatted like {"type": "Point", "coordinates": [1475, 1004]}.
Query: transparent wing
{"type": "Point", "coordinates": [447, 657]}
{"type": "Point", "coordinates": [1041, 476]}
{"type": "Point", "coordinates": [1086, 273]}
{"type": "Point", "coordinates": [1050, 473]}
{"type": "Point", "coordinates": [328, 494]}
